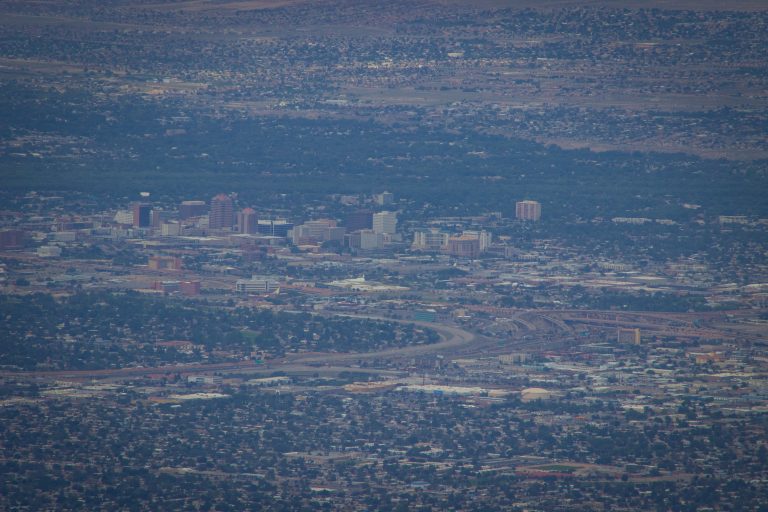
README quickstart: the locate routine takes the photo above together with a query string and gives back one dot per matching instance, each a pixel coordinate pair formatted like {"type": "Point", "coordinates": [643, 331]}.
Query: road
{"type": "Point", "coordinates": [452, 338]}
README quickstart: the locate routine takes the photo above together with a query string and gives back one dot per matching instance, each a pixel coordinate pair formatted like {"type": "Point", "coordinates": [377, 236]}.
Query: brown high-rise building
{"type": "Point", "coordinates": [464, 246]}
{"type": "Point", "coordinates": [189, 209]}
{"type": "Point", "coordinates": [361, 219]}
{"type": "Point", "coordinates": [142, 215]}
{"type": "Point", "coordinates": [222, 213]}
{"type": "Point", "coordinates": [159, 217]}
{"type": "Point", "coordinates": [246, 221]}
{"type": "Point", "coordinates": [528, 210]}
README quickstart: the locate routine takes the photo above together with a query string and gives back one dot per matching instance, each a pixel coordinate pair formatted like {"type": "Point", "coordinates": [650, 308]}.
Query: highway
{"type": "Point", "coordinates": [454, 341]}
{"type": "Point", "coordinates": [452, 338]}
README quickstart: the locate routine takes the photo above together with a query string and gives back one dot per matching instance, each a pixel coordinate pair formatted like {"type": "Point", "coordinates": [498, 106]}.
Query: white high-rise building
{"type": "Point", "coordinates": [370, 240]}
{"type": "Point", "coordinates": [124, 217]}
{"type": "Point", "coordinates": [429, 240]}
{"type": "Point", "coordinates": [316, 231]}
{"type": "Point", "coordinates": [385, 222]}
{"type": "Point", "coordinates": [170, 229]}
{"type": "Point", "coordinates": [528, 210]}
{"type": "Point", "coordinates": [384, 198]}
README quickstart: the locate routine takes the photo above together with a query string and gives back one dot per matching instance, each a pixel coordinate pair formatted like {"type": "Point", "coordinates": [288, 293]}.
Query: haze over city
{"type": "Point", "coordinates": [366, 255]}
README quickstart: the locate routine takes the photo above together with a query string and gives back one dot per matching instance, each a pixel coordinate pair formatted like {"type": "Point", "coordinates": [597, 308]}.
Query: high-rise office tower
{"type": "Point", "coordinates": [429, 240]}
{"type": "Point", "coordinates": [384, 198]}
{"type": "Point", "coordinates": [464, 246]}
{"type": "Point", "coordinates": [385, 222]}
{"type": "Point", "coordinates": [246, 221]}
{"type": "Point", "coordinates": [142, 215]}
{"type": "Point", "coordinates": [222, 213]}
{"type": "Point", "coordinates": [528, 210]}
{"type": "Point", "coordinates": [189, 209]}
{"type": "Point", "coordinates": [158, 217]}
{"type": "Point", "coordinates": [370, 240]}
{"type": "Point", "coordinates": [361, 219]}
{"type": "Point", "coordinates": [483, 236]}
{"type": "Point", "coordinates": [277, 227]}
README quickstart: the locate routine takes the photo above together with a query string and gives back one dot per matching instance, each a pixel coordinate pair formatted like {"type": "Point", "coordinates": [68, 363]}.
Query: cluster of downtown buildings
{"type": "Point", "coordinates": [360, 230]}
{"type": "Point", "coordinates": [520, 417]}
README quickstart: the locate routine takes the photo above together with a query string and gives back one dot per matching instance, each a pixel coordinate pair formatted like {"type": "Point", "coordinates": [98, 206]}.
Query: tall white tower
{"type": "Point", "coordinates": [385, 222]}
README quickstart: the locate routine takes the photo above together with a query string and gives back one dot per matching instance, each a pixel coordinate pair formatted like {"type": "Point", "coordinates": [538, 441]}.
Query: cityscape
{"type": "Point", "coordinates": [267, 255]}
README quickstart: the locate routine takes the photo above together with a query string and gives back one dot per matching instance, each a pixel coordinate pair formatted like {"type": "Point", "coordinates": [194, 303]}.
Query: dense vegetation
{"type": "Point", "coordinates": [125, 149]}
